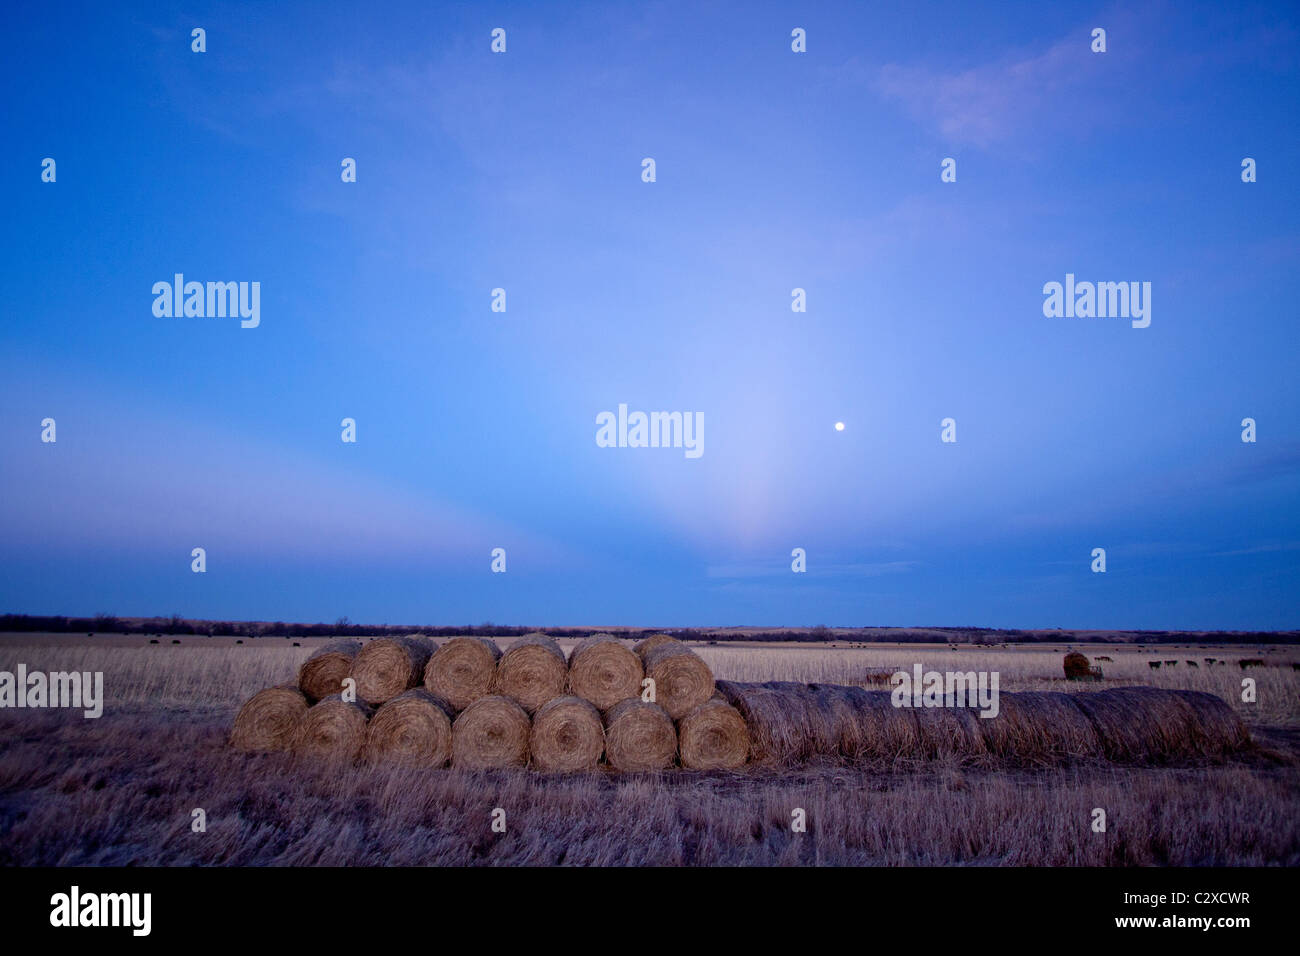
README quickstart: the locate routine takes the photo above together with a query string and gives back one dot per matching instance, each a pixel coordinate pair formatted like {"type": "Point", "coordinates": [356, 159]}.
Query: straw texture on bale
{"type": "Point", "coordinates": [792, 723]}
{"type": "Point", "coordinates": [462, 670]}
{"type": "Point", "coordinates": [1040, 727]}
{"type": "Point", "coordinates": [269, 719]}
{"type": "Point", "coordinates": [859, 724]}
{"type": "Point", "coordinates": [567, 735]}
{"type": "Point", "coordinates": [779, 721]}
{"type": "Point", "coordinates": [1217, 727]}
{"type": "Point", "coordinates": [639, 736]}
{"type": "Point", "coordinates": [322, 674]}
{"type": "Point", "coordinates": [389, 666]}
{"type": "Point", "coordinates": [713, 737]}
{"type": "Point", "coordinates": [533, 671]}
{"type": "Point", "coordinates": [950, 732]}
{"type": "Point", "coordinates": [643, 647]}
{"type": "Point", "coordinates": [604, 672]}
{"type": "Point", "coordinates": [491, 732]}
{"type": "Point", "coordinates": [333, 729]}
{"type": "Point", "coordinates": [414, 728]}
{"type": "Point", "coordinates": [682, 679]}
{"type": "Point", "coordinates": [879, 730]}
{"type": "Point", "coordinates": [1146, 724]}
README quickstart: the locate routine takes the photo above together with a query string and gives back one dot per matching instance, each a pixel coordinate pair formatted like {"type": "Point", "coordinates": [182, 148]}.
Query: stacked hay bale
{"type": "Point", "coordinates": [713, 736]}
{"type": "Point", "coordinates": [711, 733]}
{"type": "Point", "coordinates": [269, 720]}
{"type": "Point", "coordinates": [490, 733]}
{"type": "Point", "coordinates": [389, 666]}
{"type": "Point", "coordinates": [639, 736]}
{"type": "Point", "coordinates": [532, 672]}
{"type": "Point", "coordinates": [462, 670]}
{"type": "Point", "coordinates": [469, 705]}
{"type": "Point", "coordinates": [334, 729]}
{"type": "Point", "coordinates": [604, 672]}
{"type": "Point", "coordinates": [567, 735]}
{"type": "Point", "coordinates": [323, 673]}
{"type": "Point", "coordinates": [682, 680]}
{"type": "Point", "coordinates": [414, 727]}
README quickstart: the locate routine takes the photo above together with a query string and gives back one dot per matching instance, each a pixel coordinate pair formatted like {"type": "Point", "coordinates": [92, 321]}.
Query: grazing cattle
{"type": "Point", "coordinates": [1251, 662]}
{"type": "Point", "coordinates": [1172, 663]}
{"type": "Point", "coordinates": [1103, 657]}
{"type": "Point", "coordinates": [1193, 664]}
{"type": "Point", "coordinates": [1154, 664]}
{"type": "Point", "coordinates": [1209, 660]}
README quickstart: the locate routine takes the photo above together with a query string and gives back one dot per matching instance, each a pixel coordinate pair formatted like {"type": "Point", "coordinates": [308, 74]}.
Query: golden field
{"type": "Point", "coordinates": [121, 789]}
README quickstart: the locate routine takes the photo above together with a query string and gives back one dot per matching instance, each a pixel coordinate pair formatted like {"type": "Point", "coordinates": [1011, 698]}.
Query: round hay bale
{"type": "Point", "coordinates": [952, 732]}
{"type": "Point", "coordinates": [414, 728]}
{"type": "Point", "coordinates": [779, 718]}
{"type": "Point", "coordinates": [1218, 728]}
{"type": "Point", "coordinates": [462, 670]}
{"type": "Point", "coordinates": [682, 679]}
{"type": "Point", "coordinates": [269, 719]}
{"type": "Point", "coordinates": [533, 671]}
{"type": "Point", "coordinates": [832, 720]}
{"type": "Point", "coordinates": [604, 672]}
{"type": "Point", "coordinates": [491, 732]}
{"type": "Point", "coordinates": [1141, 723]}
{"type": "Point", "coordinates": [713, 737]}
{"type": "Point", "coordinates": [643, 647]}
{"type": "Point", "coordinates": [639, 736]}
{"type": "Point", "coordinates": [1076, 666]}
{"type": "Point", "coordinates": [881, 731]}
{"type": "Point", "coordinates": [1040, 728]}
{"type": "Point", "coordinates": [387, 667]}
{"type": "Point", "coordinates": [334, 729]}
{"type": "Point", "coordinates": [567, 735]}
{"type": "Point", "coordinates": [857, 724]}
{"type": "Point", "coordinates": [322, 674]}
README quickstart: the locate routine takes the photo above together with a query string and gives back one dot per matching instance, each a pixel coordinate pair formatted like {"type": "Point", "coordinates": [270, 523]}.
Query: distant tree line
{"type": "Point", "coordinates": [977, 636]}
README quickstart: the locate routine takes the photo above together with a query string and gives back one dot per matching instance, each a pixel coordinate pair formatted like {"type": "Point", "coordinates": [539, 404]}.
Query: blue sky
{"type": "Point", "coordinates": [775, 170]}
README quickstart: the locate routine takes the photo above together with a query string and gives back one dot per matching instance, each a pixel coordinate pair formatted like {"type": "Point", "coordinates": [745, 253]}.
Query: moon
{"type": "Point", "coordinates": [839, 426]}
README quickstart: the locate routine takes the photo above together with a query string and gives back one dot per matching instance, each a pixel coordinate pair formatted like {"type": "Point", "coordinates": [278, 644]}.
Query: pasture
{"type": "Point", "coordinates": [123, 788]}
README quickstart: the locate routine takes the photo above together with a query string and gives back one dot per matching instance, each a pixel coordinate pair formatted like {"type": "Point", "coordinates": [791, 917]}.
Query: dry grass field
{"type": "Point", "coordinates": [121, 789]}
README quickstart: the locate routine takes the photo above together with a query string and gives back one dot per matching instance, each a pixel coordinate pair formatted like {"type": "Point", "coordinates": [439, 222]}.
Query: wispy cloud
{"type": "Point", "coordinates": [1027, 93]}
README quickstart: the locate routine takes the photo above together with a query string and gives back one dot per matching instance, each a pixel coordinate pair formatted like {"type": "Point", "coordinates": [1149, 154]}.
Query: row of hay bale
{"type": "Point", "coordinates": [532, 671]}
{"type": "Point", "coordinates": [469, 704]}
{"type": "Point", "coordinates": [791, 723]}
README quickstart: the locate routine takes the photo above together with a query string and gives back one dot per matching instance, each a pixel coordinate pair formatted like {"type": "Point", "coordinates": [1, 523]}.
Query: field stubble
{"type": "Point", "coordinates": [121, 789]}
